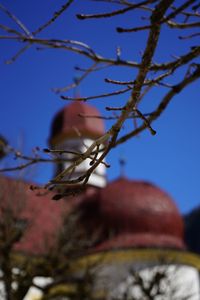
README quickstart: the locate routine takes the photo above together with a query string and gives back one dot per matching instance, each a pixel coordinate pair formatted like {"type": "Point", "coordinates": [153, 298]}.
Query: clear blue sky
{"type": "Point", "coordinates": [170, 159]}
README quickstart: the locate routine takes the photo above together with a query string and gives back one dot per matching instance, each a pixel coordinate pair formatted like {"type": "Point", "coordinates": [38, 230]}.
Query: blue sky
{"type": "Point", "coordinates": [169, 159]}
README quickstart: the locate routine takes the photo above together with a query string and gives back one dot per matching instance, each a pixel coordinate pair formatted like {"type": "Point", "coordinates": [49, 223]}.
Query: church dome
{"type": "Point", "coordinates": [70, 121]}
{"type": "Point", "coordinates": [139, 214]}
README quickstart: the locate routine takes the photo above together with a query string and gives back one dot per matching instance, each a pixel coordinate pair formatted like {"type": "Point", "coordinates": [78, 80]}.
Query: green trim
{"type": "Point", "coordinates": [122, 256]}
{"type": "Point", "coordinates": [131, 255]}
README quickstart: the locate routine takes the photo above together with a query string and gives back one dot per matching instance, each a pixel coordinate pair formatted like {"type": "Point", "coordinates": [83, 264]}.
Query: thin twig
{"type": "Point", "coordinates": [56, 15]}
{"type": "Point", "coordinates": [16, 20]}
{"type": "Point", "coordinates": [163, 104]}
{"type": "Point", "coordinates": [116, 12]}
{"type": "Point", "coordinates": [77, 82]}
{"type": "Point", "coordinates": [97, 96]}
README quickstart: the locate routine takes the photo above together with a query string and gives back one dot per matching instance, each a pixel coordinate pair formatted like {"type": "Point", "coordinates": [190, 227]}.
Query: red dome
{"type": "Point", "coordinates": [140, 215]}
{"type": "Point", "coordinates": [69, 121]}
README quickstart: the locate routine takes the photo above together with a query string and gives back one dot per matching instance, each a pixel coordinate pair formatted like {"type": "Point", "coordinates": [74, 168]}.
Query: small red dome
{"type": "Point", "coordinates": [70, 121]}
{"type": "Point", "coordinates": [140, 215]}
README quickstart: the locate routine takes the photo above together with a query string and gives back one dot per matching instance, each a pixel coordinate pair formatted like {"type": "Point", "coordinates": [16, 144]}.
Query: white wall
{"type": "Point", "coordinates": [98, 178]}
{"type": "Point", "coordinates": [178, 283]}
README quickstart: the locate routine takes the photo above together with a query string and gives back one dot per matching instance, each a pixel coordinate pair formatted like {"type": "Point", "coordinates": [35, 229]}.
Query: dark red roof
{"type": "Point", "coordinates": [42, 215]}
{"type": "Point", "coordinates": [126, 214]}
{"type": "Point", "coordinates": [70, 121]}
{"type": "Point", "coordinates": [140, 215]}
{"type": "Point", "coordinates": [141, 240]}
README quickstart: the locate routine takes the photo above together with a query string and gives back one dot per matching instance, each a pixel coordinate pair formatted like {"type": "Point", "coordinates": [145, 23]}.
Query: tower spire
{"type": "Point", "coordinates": [122, 163]}
{"type": "Point", "coordinates": [72, 133]}
{"type": "Point", "coordinates": [76, 79]}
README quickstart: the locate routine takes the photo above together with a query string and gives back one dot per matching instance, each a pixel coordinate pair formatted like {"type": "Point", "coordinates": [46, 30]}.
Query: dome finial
{"type": "Point", "coordinates": [122, 163]}
{"type": "Point", "coordinates": [76, 80]}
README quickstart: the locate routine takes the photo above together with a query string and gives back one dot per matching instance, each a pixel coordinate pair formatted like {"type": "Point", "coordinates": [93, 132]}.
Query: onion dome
{"type": "Point", "coordinates": [139, 214]}
{"type": "Point", "coordinates": [74, 119]}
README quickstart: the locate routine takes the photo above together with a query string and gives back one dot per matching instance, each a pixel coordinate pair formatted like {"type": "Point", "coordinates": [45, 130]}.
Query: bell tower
{"type": "Point", "coordinates": [72, 130]}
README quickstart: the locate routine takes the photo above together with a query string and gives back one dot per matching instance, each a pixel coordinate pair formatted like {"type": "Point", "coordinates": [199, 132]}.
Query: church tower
{"type": "Point", "coordinates": [72, 130]}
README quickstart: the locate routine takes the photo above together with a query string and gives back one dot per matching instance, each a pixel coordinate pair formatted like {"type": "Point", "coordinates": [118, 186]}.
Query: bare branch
{"type": "Point", "coordinates": [9, 30]}
{"type": "Point", "coordinates": [97, 96]}
{"type": "Point", "coordinates": [189, 36]}
{"type": "Point", "coordinates": [40, 29]}
{"type": "Point", "coordinates": [56, 15]}
{"type": "Point", "coordinates": [116, 12]}
{"type": "Point", "coordinates": [16, 20]}
{"type": "Point", "coordinates": [163, 104]}
{"type": "Point", "coordinates": [78, 81]}
{"type": "Point", "coordinates": [166, 20]}
{"type": "Point", "coordinates": [178, 10]}
{"type": "Point", "coordinates": [183, 25]}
